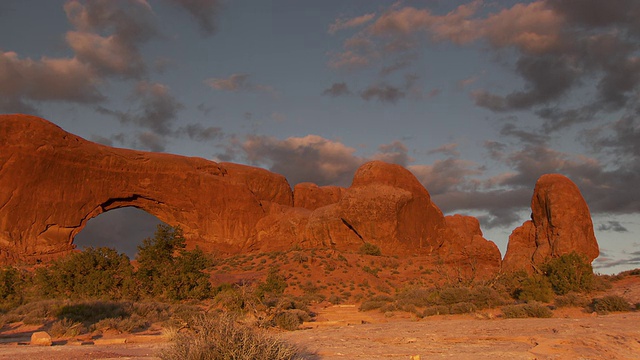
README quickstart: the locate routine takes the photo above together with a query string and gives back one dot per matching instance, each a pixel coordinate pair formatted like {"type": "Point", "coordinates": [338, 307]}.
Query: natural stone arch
{"type": "Point", "coordinates": [53, 182]}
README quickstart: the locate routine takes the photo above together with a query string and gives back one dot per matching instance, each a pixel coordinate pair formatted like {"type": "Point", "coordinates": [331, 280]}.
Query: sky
{"type": "Point", "coordinates": [477, 98]}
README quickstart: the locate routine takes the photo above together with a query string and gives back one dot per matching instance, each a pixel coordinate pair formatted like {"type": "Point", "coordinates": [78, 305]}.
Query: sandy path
{"type": "Point", "coordinates": [615, 336]}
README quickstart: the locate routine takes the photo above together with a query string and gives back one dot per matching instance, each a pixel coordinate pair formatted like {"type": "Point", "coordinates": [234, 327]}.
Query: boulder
{"type": "Point", "coordinates": [41, 338]}
{"type": "Point", "coordinates": [560, 224]}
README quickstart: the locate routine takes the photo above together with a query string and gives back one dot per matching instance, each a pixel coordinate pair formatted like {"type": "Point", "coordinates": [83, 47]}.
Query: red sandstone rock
{"type": "Point", "coordinates": [52, 183]}
{"type": "Point", "coordinates": [311, 196]}
{"type": "Point", "coordinates": [562, 223]}
{"type": "Point", "coordinates": [468, 247]}
{"type": "Point", "coordinates": [385, 205]}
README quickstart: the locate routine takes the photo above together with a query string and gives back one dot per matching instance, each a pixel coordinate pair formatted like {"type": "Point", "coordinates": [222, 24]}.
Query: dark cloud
{"type": "Point", "coordinates": [23, 81]}
{"type": "Point", "coordinates": [612, 226]}
{"type": "Point", "coordinates": [502, 207]}
{"type": "Point", "coordinates": [394, 153]}
{"type": "Point", "coordinates": [205, 12]}
{"type": "Point", "coordinates": [155, 111]}
{"type": "Point", "coordinates": [546, 78]}
{"type": "Point", "coordinates": [109, 33]}
{"type": "Point", "coordinates": [523, 136]}
{"type": "Point", "coordinates": [199, 132]}
{"type": "Point", "coordinates": [151, 141]}
{"type": "Point", "coordinates": [238, 82]}
{"type": "Point", "coordinates": [383, 93]}
{"type": "Point", "coordinates": [337, 89]}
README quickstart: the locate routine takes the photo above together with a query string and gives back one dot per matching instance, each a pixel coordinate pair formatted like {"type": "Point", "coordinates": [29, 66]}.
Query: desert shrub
{"type": "Point", "coordinates": [152, 311]}
{"type": "Point", "coordinates": [453, 295]}
{"type": "Point", "coordinates": [436, 310]}
{"type": "Point", "coordinates": [535, 288]}
{"type": "Point", "coordinates": [370, 249]}
{"type": "Point", "coordinates": [66, 328]}
{"type": "Point", "coordinates": [168, 271]}
{"type": "Point", "coordinates": [291, 319]}
{"type": "Point", "coordinates": [486, 297]}
{"type": "Point", "coordinates": [220, 337]}
{"type": "Point", "coordinates": [274, 285]}
{"type": "Point", "coordinates": [511, 283]}
{"type": "Point", "coordinates": [11, 286]}
{"type": "Point", "coordinates": [570, 272]}
{"type": "Point", "coordinates": [527, 310]}
{"type": "Point", "coordinates": [37, 312]}
{"type": "Point", "coordinates": [92, 312]}
{"type": "Point", "coordinates": [571, 300]}
{"type": "Point", "coordinates": [418, 297]}
{"type": "Point", "coordinates": [121, 324]}
{"type": "Point", "coordinates": [463, 308]}
{"type": "Point", "coordinates": [610, 303]}
{"type": "Point", "coordinates": [100, 273]}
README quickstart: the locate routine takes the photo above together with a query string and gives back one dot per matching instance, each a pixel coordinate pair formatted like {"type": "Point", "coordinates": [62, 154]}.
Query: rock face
{"type": "Point", "coordinates": [560, 224]}
{"type": "Point", "coordinates": [469, 246]}
{"type": "Point", "coordinates": [52, 183]}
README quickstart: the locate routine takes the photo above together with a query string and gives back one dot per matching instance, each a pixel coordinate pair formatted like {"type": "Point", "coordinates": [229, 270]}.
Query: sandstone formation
{"type": "Point", "coordinates": [53, 182]}
{"type": "Point", "coordinates": [311, 196]}
{"type": "Point", "coordinates": [560, 224]}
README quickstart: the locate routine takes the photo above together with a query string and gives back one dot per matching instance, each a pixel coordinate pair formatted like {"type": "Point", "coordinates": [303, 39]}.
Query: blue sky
{"type": "Point", "coordinates": [476, 98]}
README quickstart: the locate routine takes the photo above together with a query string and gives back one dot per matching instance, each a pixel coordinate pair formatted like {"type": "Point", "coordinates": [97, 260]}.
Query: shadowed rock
{"type": "Point", "coordinates": [560, 224]}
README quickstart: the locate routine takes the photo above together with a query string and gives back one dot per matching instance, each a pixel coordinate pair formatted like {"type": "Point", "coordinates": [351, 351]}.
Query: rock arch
{"type": "Point", "coordinates": [53, 182]}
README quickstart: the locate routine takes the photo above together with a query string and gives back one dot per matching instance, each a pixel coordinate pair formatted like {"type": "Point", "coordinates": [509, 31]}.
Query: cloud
{"type": "Point", "coordinates": [383, 93]}
{"type": "Point", "coordinates": [198, 132]}
{"type": "Point", "coordinates": [23, 81]}
{"type": "Point", "coordinates": [151, 141]}
{"type": "Point", "coordinates": [301, 159]}
{"type": "Point", "coordinates": [342, 23]}
{"type": "Point", "coordinates": [157, 109]}
{"type": "Point", "coordinates": [238, 82]}
{"type": "Point", "coordinates": [450, 150]}
{"type": "Point", "coordinates": [395, 153]}
{"type": "Point", "coordinates": [108, 35]}
{"type": "Point", "coordinates": [612, 226]}
{"type": "Point", "coordinates": [205, 12]}
{"type": "Point", "coordinates": [337, 89]}
{"type": "Point", "coordinates": [559, 49]}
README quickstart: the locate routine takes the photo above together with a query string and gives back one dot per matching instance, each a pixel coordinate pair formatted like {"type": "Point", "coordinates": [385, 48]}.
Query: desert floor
{"type": "Point", "coordinates": [342, 332]}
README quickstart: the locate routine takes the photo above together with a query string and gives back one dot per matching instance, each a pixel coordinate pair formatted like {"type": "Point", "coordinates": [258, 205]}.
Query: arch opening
{"type": "Point", "coordinates": [122, 229]}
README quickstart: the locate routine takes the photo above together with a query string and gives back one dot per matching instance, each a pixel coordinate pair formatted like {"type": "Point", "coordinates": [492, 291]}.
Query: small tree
{"type": "Point", "coordinates": [570, 272]}
{"type": "Point", "coordinates": [93, 273]}
{"type": "Point", "coordinates": [165, 269]}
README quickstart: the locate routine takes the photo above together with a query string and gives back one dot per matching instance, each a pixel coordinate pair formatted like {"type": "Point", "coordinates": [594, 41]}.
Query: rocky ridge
{"type": "Point", "coordinates": [53, 182]}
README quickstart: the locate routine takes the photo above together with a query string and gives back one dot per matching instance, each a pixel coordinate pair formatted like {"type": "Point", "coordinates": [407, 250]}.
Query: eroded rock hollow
{"type": "Point", "coordinates": [52, 182]}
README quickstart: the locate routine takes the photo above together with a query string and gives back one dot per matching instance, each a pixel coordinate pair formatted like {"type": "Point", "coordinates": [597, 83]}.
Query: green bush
{"type": "Point", "coordinates": [95, 273]}
{"type": "Point", "coordinates": [370, 249]}
{"type": "Point", "coordinates": [570, 272]}
{"type": "Point", "coordinates": [535, 310]}
{"type": "Point", "coordinates": [610, 303]}
{"type": "Point", "coordinates": [168, 271]}
{"type": "Point", "coordinates": [274, 285]}
{"type": "Point", "coordinates": [571, 300]}
{"type": "Point", "coordinates": [11, 286]}
{"type": "Point", "coordinates": [220, 337]}
{"type": "Point", "coordinates": [291, 319]}
{"type": "Point", "coordinates": [535, 288]}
